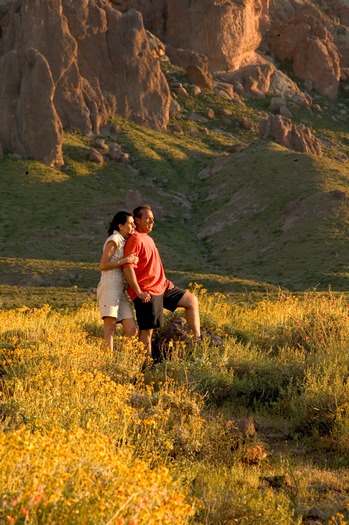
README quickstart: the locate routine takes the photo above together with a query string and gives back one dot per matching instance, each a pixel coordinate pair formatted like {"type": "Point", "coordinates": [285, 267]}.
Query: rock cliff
{"type": "Point", "coordinates": [314, 36]}
{"type": "Point", "coordinates": [73, 64]}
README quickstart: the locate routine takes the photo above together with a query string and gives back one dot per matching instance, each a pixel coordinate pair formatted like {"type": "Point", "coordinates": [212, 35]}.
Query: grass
{"type": "Point", "coordinates": [63, 284]}
{"type": "Point", "coordinates": [255, 431]}
{"type": "Point", "coordinates": [224, 220]}
{"type": "Point", "coordinates": [265, 229]}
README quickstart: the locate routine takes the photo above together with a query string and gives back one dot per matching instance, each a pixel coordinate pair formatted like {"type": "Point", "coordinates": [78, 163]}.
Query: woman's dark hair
{"type": "Point", "coordinates": [119, 218]}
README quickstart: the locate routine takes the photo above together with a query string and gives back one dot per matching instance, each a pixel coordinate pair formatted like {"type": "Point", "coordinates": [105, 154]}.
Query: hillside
{"type": "Point", "coordinates": [227, 202]}
{"type": "Point", "coordinates": [235, 209]}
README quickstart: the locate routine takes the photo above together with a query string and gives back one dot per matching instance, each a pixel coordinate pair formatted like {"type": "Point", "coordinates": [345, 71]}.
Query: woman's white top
{"type": "Point", "coordinates": [116, 274]}
{"type": "Point", "coordinates": [111, 290]}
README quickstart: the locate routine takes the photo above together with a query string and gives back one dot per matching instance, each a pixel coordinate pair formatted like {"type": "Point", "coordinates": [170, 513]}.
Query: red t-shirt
{"type": "Point", "coordinates": [149, 270]}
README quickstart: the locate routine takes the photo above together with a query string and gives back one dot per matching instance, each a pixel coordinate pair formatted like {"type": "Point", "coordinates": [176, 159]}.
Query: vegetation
{"type": "Point", "coordinates": [251, 432]}
{"type": "Point", "coordinates": [255, 431]}
{"type": "Point", "coordinates": [244, 205]}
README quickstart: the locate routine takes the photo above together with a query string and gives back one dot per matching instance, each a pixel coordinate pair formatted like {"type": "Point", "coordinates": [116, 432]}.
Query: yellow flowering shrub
{"type": "Point", "coordinates": [78, 477]}
{"type": "Point", "coordinates": [87, 438]}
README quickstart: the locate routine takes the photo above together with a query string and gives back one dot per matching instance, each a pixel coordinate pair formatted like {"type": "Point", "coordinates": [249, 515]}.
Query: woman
{"type": "Point", "coordinates": [114, 304]}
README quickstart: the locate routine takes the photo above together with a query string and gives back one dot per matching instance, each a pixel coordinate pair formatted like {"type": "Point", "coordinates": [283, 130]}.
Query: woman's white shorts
{"type": "Point", "coordinates": [113, 301]}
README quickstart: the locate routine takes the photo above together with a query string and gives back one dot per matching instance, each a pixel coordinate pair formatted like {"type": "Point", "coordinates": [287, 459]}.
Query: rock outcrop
{"type": "Point", "coordinates": [232, 35]}
{"type": "Point", "coordinates": [228, 32]}
{"type": "Point", "coordinates": [257, 80]}
{"type": "Point", "coordinates": [297, 138]}
{"type": "Point", "coordinates": [94, 58]}
{"type": "Point", "coordinates": [91, 61]}
{"type": "Point", "coordinates": [29, 124]}
{"type": "Point", "coordinates": [300, 32]}
{"type": "Point", "coordinates": [338, 9]}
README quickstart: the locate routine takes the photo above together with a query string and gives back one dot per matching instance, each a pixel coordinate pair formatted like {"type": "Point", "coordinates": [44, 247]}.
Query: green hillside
{"type": "Point", "coordinates": [280, 216]}
{"type": "Point", "coordinates": [228, 204]}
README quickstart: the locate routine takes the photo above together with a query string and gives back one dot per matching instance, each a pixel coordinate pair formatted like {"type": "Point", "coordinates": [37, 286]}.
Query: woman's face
{"type": "Point", "coordinates": [128, 228]}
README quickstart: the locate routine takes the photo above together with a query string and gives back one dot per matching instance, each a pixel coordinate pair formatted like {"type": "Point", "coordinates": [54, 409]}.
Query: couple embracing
{"type": "Point", "coordinates": [131, 259]}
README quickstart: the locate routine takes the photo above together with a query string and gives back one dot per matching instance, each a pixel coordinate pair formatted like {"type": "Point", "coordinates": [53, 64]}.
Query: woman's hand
{"type": "Point", "coordinates": [132, 259]}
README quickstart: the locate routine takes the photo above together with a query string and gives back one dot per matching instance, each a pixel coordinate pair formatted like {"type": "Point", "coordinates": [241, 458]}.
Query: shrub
{"type": "Point", "coordinates": [77, 477]}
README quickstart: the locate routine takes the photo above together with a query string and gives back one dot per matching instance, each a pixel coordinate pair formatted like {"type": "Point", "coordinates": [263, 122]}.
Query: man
{"type": "Point", "coordinates": [149, 288]}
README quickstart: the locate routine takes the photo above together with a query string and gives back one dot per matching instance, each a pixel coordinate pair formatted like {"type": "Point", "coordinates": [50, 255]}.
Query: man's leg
{"type": "Point", "coordinates": [190, 302]}
{"type": "Point", "coordinates": [151, 315]}
{"type": "Point", "coordinates": [145, 338]}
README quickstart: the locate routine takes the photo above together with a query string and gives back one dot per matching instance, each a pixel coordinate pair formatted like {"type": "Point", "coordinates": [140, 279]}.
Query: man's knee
{"type": "Point", "coordinates": [194, 303]}
{"type": "Point", "coordinates": [189, 300]}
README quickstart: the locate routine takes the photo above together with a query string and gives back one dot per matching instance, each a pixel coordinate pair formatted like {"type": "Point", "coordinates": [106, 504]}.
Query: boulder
{"type": "Point", "coordinates": [285, 112]}
{"type": "Point", "coordinates": [178, 331]}
{"type": "Point", "coordinates": [224, 90]}
{"type": "Point", "coordinates": [263, 78]}
{"type": "Point", "coordinates": [157, 48]}
{"type": "Point", "coordinates": [95, 156]}
{"type": "Point", "coordinates": [276, 103]}
{"type": "Point", "coordinates": [186, 57]}
{"type": "Point", "coordinates": [226, 34]}
{"type": "Point", "coordinates": [199, 77]}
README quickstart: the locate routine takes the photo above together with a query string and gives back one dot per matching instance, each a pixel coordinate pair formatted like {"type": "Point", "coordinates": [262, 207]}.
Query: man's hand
{"type": "Point", "coordinates": [132, 281]}
{"type": "Point", "coordinates": [145, 297]}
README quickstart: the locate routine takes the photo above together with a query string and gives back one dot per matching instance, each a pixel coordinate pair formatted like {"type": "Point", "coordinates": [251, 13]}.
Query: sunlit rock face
{"type": "Point", "coordinates": [236, 33]}
{"type": "Point", "coordinates": [74, 63]}
{"type": "Point", "coordinates": [297, 138]}
{"type": "Point", "coordinates": [227, 32]}
{"type": "Point", "coordinates": [97, 63]}
{"type": "Point", "coordinates": [300, 32]}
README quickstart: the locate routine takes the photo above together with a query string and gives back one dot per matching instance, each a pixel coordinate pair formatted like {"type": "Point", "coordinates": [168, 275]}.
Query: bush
{"type": "Point", "coordinates": [77, 477]}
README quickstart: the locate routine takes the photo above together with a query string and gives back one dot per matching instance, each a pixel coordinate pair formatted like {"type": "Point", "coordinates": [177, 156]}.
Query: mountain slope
{"type": "Point", "coordinates": [279, 215]}
{"type": "Point", "coordinates": [227, 203]}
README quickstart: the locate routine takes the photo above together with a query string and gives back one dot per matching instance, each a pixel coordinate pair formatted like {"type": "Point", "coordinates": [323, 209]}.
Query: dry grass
{"type": "Point", "coordinates": [86, 437]}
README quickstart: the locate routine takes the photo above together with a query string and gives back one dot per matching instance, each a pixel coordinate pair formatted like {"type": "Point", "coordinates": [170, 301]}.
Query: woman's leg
{"type": "Point", "coordinates": [109, 330]}
{"type": "Point", "coordinates": [129, 326]}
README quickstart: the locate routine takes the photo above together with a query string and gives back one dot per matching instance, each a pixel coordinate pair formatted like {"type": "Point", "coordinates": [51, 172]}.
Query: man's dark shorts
{"type": "Point", "coordinates": [151, 315]}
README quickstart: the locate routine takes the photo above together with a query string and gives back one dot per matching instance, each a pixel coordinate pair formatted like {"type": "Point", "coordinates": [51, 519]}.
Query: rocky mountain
{"type": "Point", "coordinates": [72, 64]}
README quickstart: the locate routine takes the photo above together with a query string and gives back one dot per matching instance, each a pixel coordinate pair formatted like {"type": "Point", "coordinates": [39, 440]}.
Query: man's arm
{"type": "Point", "coordinates": [131, 278]}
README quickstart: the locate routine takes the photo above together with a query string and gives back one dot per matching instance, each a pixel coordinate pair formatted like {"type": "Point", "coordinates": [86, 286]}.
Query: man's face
{"type": "Point", "coordinates": [146, 222]}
